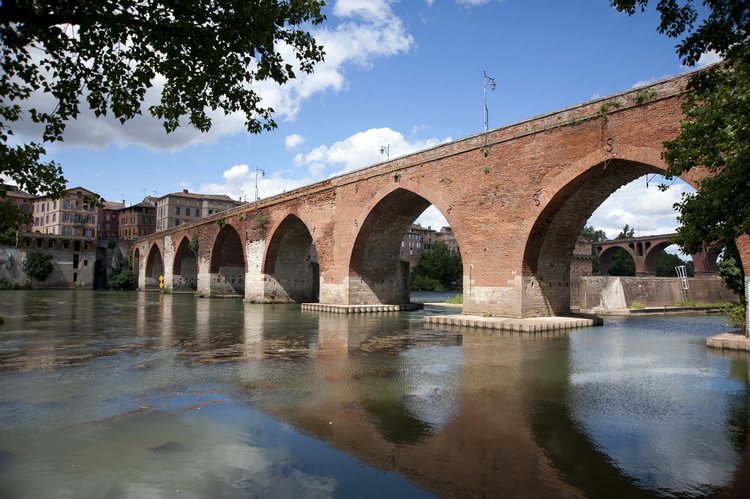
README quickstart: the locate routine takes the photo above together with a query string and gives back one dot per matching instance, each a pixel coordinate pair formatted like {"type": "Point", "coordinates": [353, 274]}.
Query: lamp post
{"type": "Point", "coordinates": [262, 174]}
{"type": "Point", "coordinates": [386, 150]}
{"type": "Point", "coordinates": [491, 81]}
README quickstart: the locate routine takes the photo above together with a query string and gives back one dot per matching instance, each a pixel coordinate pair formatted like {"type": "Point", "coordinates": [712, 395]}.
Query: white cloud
{"type": "Point", "coordinates": [360, 150]}
{"type": "Point", "coordinates": [646, 209]}
{"type": "Point", "coordinates": [293, 140]}
{"type": "Point", "coordinates": [357, 151]}
{"type": "Point", "coordinates": [472, 3]}
{"type": "Point", "coordinates": [431, 217]}
{"type": "Point", "coordinates": [367, 30]}
{"type": "Point", "coordinates": [707, 58]}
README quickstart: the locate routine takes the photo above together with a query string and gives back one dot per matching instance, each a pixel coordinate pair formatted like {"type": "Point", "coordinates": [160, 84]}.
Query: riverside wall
{"type": "Point", "coordinates": [612, 293]}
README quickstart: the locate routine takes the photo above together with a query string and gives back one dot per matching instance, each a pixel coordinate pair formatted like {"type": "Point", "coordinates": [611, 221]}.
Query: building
{"type": "Point", "coordinates": [108, 219]}
{"type": "Point", "coordinates": [76, 214]}
{"type": "Point", "coordinates": [183, 207]}
{"type": "Point", "coordinates": [18, 198]}
{"type": "Point", "coordinates": [582, 262]}
{"type": "Point", "coordinates": [139, 219]}
{"type": "Point", "coordinates": [446, 236]}
{"type": "Point", "coordinates": [73, 260]}
{"type": "Point", "coordinates": [416, 241]}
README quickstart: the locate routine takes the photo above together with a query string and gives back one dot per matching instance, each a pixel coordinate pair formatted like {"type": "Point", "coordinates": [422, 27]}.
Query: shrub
{"type": "Point", "coordinates": [38, 265]}
{"type": "Point", "coordinates": [123, 278]}
{"type": "Point", "coordinates": [736, 315]}
{"type": "Point", "coordinates": [456, 300]}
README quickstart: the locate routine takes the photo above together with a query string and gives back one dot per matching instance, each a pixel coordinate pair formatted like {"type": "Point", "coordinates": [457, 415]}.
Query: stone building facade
{"type": "Point", "coordinates": [179, 208]}
{"type": "Point", "coordinates": [75, 215]}
{"type": "Point", "coordinates": [138, 220]}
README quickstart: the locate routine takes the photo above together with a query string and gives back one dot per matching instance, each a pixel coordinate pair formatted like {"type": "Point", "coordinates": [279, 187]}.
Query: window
{"type": "Point", "coordinates": [75, 277]}
{"type": "Point", "coordinates": [66, 204]}
{"type": "Point", "coordinates": [198, 212]}
{"type": "Point", "coordinates": [177, 222]}
{"type": "Point", "coordinates": [39, 243]}
{"type": "Point", "coordinates": [177, 211]}
{"type": "Point", "coordinates": [54, 205]}
{"type": "Point", "coordinates": [46, 219]}
{"type": "Point", "coordinates": [85, 263]}
{"type": "Point", "coordinates": [210, 212]}
{"type": "Point", "coordinates": [75, 261]}
{"type": "Point", "coordinates": [67, 231]}
{"type": "Point", "coordinates": [54, 217]}
{"type": "Point", "coordinates": [187, 212]}
{"type": "Point", "coordinates": [88, 232]}
{"type": "Point", "coordinates": [51, 243]}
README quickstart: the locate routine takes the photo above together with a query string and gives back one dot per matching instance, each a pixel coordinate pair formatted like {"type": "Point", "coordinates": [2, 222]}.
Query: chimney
{"type": "Point", "coordinates": [185, 191]}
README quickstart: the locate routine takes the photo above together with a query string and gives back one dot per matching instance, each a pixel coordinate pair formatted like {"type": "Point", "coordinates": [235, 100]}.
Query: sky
{"type": "Point", "coordinates": [407, 75]}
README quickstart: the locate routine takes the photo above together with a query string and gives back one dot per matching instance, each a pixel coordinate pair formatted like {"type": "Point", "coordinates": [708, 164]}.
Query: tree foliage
{"type": "Point", "coordinates": [123, 278]}
{"type": "Point", "coordinates": [716, 131]}
{"type": "Point", "coordinates": [106, 54]}
{"type": "Point", "coordinates": [10, 219]}
{"type": "Point", "coordinates": [38, 265]}
{"type": "Point", "coordinates": [438, 269]}
{"type": "Point", "coordinates": [594, 235]}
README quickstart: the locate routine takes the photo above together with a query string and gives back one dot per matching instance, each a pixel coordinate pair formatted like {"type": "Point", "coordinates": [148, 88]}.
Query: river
{"type": "Point", "coordinates": [116, 394]}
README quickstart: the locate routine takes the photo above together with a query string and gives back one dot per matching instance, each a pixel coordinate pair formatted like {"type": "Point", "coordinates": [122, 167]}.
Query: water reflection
{"type": "Point", "coordinates": [137, 394]}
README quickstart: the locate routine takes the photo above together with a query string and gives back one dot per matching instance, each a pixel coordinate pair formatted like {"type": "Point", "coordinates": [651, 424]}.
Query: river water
{"type": "Point", "coordinates": [107, 394]}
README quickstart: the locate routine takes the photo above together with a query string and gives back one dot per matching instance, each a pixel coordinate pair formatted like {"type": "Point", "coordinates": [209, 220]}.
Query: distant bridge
{"type": "Point", "coordinates": [516, 199]}
{"type": "Point", "coordinates": [646, 251]}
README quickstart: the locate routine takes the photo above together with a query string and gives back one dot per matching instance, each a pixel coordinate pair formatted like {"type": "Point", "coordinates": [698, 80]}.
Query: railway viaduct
{"type": "Point", "coordinates": [516, 199]}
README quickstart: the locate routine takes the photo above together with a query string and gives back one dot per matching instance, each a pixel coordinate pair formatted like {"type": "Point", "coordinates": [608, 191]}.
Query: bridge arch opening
{"type": "Point", "coordinates": [228, 266]}
{"type": "Point", "coordinates": [291, 263]}
{"type": "Point", "coordinates": [551, 241]}
{"type": "Point", "coordinates": [154, 267]}
{"type": "Point", "coordinates": [185, 268]}
{"type": "Point", "coordinates": [383, 256]}
{"type": "Point", "coordinates": [137, 264]}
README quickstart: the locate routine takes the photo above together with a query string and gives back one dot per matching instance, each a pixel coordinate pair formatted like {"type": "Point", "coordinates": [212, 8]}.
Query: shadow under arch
{"type": "Point", "coordinates": [605, 257]}
{"type": "Point", "coordinates": [228, 266]}
{"type": "Point", "coordinates": [185, 268]}
{"type": "Point", "coordinates": [549, 245]}
{"type": "Point", "coordinates": [376, 273]}
{"type": "Point", "coordinates": [154, 267]}
{"type": "Point", "coordinates": [291, 263]}
{"type": "Point", "coordinates": [137, 265]}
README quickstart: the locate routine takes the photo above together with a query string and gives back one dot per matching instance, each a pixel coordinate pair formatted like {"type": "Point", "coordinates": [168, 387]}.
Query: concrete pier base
{"type": "Point", "coordinates": [530, 325]}
{"type": "Point", "coordinates": [360, 309]}
{"type": "Point", "coordinates": [729, 341]}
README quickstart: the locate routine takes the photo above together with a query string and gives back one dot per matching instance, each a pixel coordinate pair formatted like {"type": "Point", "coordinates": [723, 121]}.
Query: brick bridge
{"type": "Point", "coordinates": [646, 251]}
{"type": "Point", "coordinates": [515, 198]}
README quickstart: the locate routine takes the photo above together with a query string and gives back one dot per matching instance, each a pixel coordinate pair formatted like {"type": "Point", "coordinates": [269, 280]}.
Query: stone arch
{"type": "Point", "coordinates": [291, 263]}
{"type": "Point", "coordinates": [154, 267]}
{"type": "Point", "coordinates": [137, 265]}
{"type": "Point", "coordinates": [564, 211]}
{"type": "Point", "coordinates": [228, 266]}
{"type": "Point", "coordinates": [376, 273]}
{"type": "Point", "coordinates": [606, 256]}
{"type": "Point", "coordinates": [185, 267]}
{"type": "Point", "coordinates": [651, 258]}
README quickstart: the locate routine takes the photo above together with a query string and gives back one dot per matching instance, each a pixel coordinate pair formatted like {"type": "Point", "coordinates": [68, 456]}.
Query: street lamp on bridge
{"type": "Point", "coordinates": [491, 81]}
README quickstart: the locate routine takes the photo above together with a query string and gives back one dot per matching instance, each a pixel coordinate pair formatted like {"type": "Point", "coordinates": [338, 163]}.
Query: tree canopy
{"type": "Point", "coordinates": [438, 269]}
{"type": "Point", "coordinates": [207, 55]}
{"type": "Point", "coordinates": [715, 133]}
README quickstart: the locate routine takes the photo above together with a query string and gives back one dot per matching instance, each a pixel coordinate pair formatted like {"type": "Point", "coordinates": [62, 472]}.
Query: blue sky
{"type": "Point", "coordinates": [407, 74]}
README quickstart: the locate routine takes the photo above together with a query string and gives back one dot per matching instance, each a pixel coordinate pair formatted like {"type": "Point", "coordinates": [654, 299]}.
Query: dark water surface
{"type": "Point", "coordinates": [106, 394]}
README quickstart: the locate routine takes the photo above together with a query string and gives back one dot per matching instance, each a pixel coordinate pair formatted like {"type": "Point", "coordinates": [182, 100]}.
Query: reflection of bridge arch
{"type": "Point", "coordinates": [228, 263]}
{"type": "Point", "coordinates": [291, 263]}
